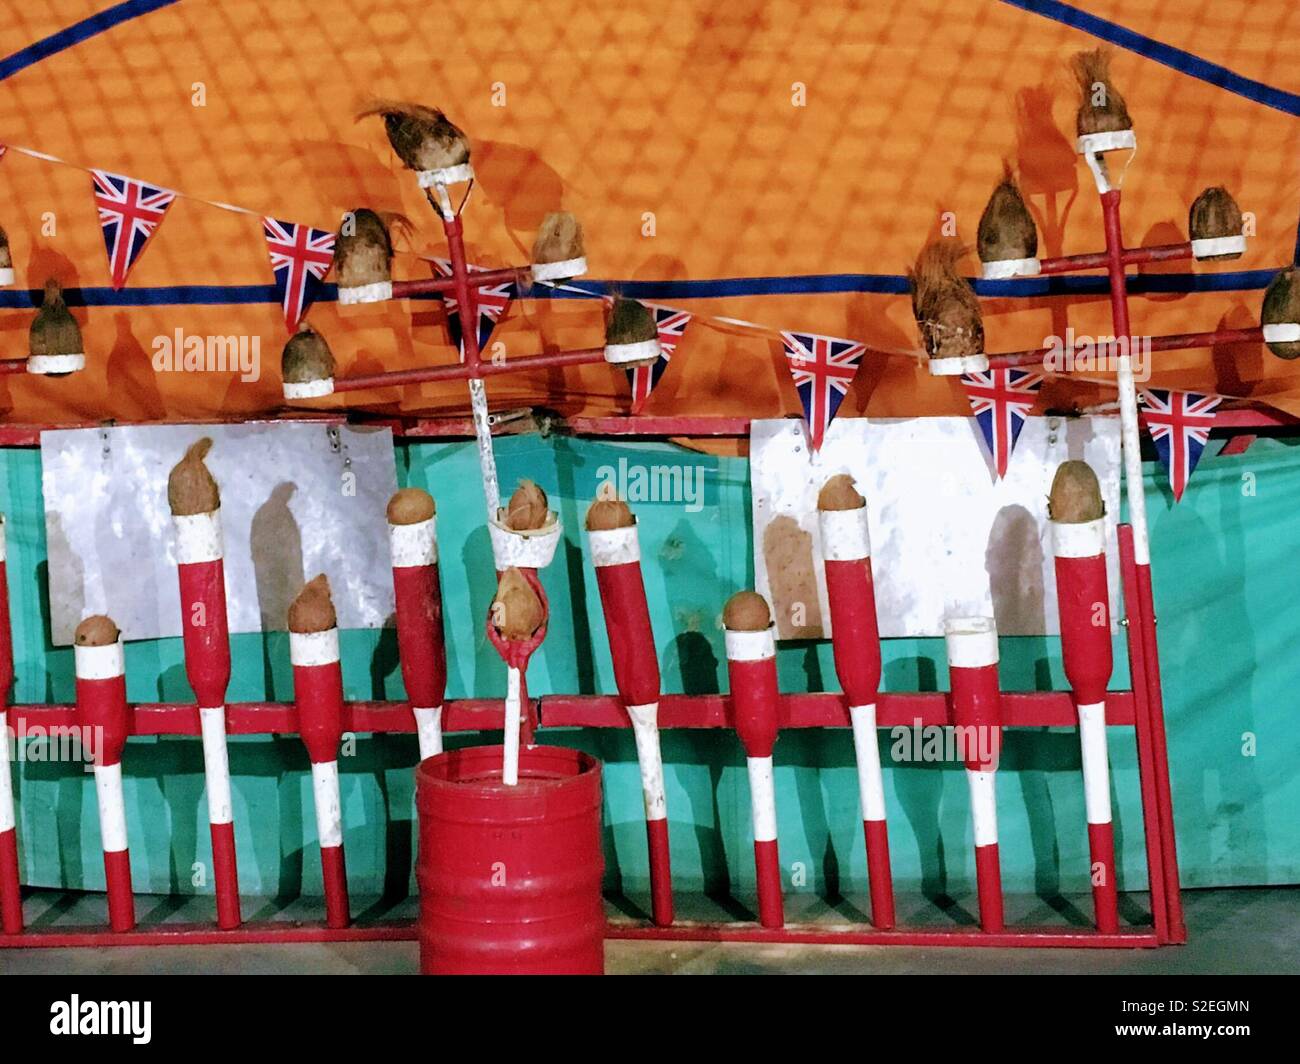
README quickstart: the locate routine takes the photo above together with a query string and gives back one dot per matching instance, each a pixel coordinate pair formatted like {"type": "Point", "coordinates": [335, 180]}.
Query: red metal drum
{"type": "Point", "coordinates": [510, 877]}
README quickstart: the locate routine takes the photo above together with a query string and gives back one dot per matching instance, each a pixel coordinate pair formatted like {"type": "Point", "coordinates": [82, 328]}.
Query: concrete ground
{"type": "Point", "coordinates": [1229, 932]}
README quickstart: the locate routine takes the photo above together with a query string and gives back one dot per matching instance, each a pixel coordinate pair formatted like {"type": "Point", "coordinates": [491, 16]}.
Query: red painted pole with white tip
{"type": "Point", "coordinates": [751, 668]}
{"type": "Point", "coordinates": [976, 708]}
{"type": "Point", "coordinates": [318, 697]}
{"type": "Point", "coordinates": [423, 653]}
{"type": "Point", "coordinates": [846, 549]}
{"type": "Point", "coordinates": [11, 899]}
{"type": "Point", "coordinates": [616, 555]}
{"type": "Point", "coordinates": [103, 717]}
{"type": "Point", "coordinates": [206, 633]}
{"type": "Point", "coordinates": [1083, 601]}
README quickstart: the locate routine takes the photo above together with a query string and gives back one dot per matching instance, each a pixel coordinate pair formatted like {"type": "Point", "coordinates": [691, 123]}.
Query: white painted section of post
{"type": "Point", "coordinates": [428, 730]}
{"type": "Point", "coordinates": [514, 715]}
{"type": "Point", "coordinates": [1130, 446]}
{"type": "Point", "coordinates": [1096, 762]}
{"type": "Point", "coordinates": [762, 797]}
{"type": "Point", "coordinates": [645, 729]}
{"type": "Point", "coordinates": [216, 764]}
{"type": "Point", "coordinates": [871, 783]}
{"type": "Point", "coordinates": [983, 806]}
{"type": "Point", "coordinates": [112, 807]}
{"type": "Point", "coordinates": [329, 805]}
{"type": "Point", "coordinates": [487, 461]}
{"type": "Point", "coordinates": [7, 819]}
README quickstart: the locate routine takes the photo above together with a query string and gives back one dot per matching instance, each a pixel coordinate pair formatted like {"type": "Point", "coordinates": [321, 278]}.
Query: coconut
{"type": "Point", "coordinates": [631, 323]}
{"type": "Point", "coordinates": [838, 493]}
{"type": "Point", "coordinates": [313, 609]}
{"type": "Point", "coordinates": [306, 357]}
{"type": "Point", "coordinates": [1101, 107]}
{"type": "Point", "coordinates": [96, 631]}
{"type": "Point", "coordinates": [422, 137]}
{"type": "Point", "coordinates": [517, 612]}
{"type": "Point", "coordinates": [1076, 496]}
{"type": "Point", "coordinates": [747, 611]}
{"type": "Point", "coordinates": [1282, 305]}
{"type": "Point", "coordinates": [6, 259]}
{"type": "Point", "coordinates": [55, 330]}
{"type": "Point", "coordinates": [559, 239]}
{"type": "Point", "coordinates": [606, 514]}
{"type": "Point", "coordinates": [528, 508]}
{"type": "Point", "coordinates": [1214, 214]}
{"type": "Point", "coordinates": [1006, 229]}
{"type": "Point", "coordinates": [363, 251]}
{"type": "Point", "coordinates": [410, 506]}
{"type": "Point", "coordinates": [190, 487]}
{"type": "Point", "coordinates": [943, 304]}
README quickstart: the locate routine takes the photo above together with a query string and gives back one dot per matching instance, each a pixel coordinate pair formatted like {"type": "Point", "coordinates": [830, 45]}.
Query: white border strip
{"type": "Point", "coordinates": [559, 271]}
{"type": "Point", "coordinates": [1219, 245]}
{"type": "Point", "coordinates": [414, 545]}
{"type": "Point", "coordinates": [972, 642]}
{"type": "Point", "coordinates": [956, 365]}
{"type": "Point", "coordinates": [1002, 269]}
{"type": "Point", "coordinates": [375, 292]}
{"type": "Point", "coordinates": [1109, 140]}
{"type": "Point", "coordinates": [329, 811]}
{"type": "Point", "coordinates": [198, 538]}
{"type": "Point", "coordinates": [447, 175]}
{"type": "Point", "coordinates": [6, 276]}
{"type": "Point", "coordinates": [1282, 332]}
{"type": "Point", "coordinates": [314, 648]}
{"type": "Point", "coordinates": [100, 663]}
{"type": "Point", "coordinates": [614, 546]}
{"type": "Point", "coordinates": [762, 798]}
{"type": "Point", "coordinates": [309, 389]}
{"type": "Point", "coordinates": [846, 534]}
{"type": "Point", "coordinates": [1085, 539]}
{"type": "Point", "coordinates": [641, 351]}
{"type": "Point", "coordinates": [43, 365]}
{"type": "Point", "coordinates": [751, 646]}
{"type": "Point", "coordinates": [112, 808]}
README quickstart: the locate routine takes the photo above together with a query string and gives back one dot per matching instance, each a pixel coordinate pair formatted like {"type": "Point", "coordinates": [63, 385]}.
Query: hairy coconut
{"type": "Point", "coordinates": [363, 249]}
{"type": "Point", "coordinates": [604, 514]}
{"type": "Point", "coordinates": [313, 609]}
{"type": "Point", "coordinates": [96, 631]}
{"type": "Point", "coordinates": [1101, 107]}
{"type": "Point", "coordinates": [423, 137]}
{"type": "Point", "coordinates": [410, 506]}
{"type": "Point", "coordinates": [1214, 213]}
{"type": "Point", "coordinates": [517, 611]}
{"type": "Point", "coordinates": [55, 330]}
{"type": "Point", "coordinates": [6, 257]}
{"type": "Point", "coordinates": [306, 357]}
{"type": "Point", "coordinates": [1282, 304]}
{"type": "Point", "coordinates": [747, 611]}
{"type": "Point", "coordinates": [190, 486]}
{"type": "Point", "coordinates": [559, 239]}
{"type": "Point", "coordinates": [838, 493]}
{"type": "Point", "coordinates": [630, 322]}
{"type": "Point", "coordinates": [1006, 229]}
{"type": "Point", "coordinates": [944, 304]}
{"type": "Point", "coordinates": [528, 508]}
{"type": "Point", "coordinates": [1076, 496]}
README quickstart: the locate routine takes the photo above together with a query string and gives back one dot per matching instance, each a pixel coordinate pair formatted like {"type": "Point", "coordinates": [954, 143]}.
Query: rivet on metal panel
{"type": "Point", "coordinates": [106, 447]}
{"type": "Point", "coordinates": [332, 434]}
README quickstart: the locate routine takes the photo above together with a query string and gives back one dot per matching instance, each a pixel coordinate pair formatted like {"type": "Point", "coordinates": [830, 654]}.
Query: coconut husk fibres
{"type": "Point", "coordinates": [6, 257]}
{"type": "Point", "coordinates": [1282, 304]}
{"type": "Point", "coordinates": [839, 493]}
{"type": "Point", "coordinates": [747, 611]}
{"type": "Point", "coordinates": [96, 631]}
{"type": "Point", "coordinates": [422, 137]}
{"type": "Point", "coordinates": [313, 609]}
{"type": "Point", "coordinates": [528, 508]}
{"type": "Point", "coordinates": [559, 239]}
{"type": "Point", "coordinates": [1006, 229]}
{"type": "Point", "coordinates": [55, 330]}
{"type": "Point", "coordinates": [1214, 213]}
{"type": "Point", "coordinates": [363, 248]}
{"type": "Point", "coordinates": [1076, 496]}
{"type": "Point", "coordinates": [410, 506]}
{"type": "Point", "coordinates": [1101, 107]}
{"type": "Point", "coordinates": [517, 611]}
{"type": "Point", "coordinates": [191, 488]}
{"type": "Point", "coordinates": [944, 305]}
{"type": "Point", "coordinates": [606, 514]}
{"type": "Point", "coordinates": [306, 357]}
{"type": "Point", "coordinates": [630, 322]}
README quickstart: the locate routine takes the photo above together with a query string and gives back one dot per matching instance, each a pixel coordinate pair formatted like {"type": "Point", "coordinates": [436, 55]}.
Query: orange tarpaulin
{"type": "Point", "coordinates": [695, 141]}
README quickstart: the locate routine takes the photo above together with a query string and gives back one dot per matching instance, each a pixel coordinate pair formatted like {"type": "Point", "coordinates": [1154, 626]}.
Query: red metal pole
{"type": "Point", "coordinates": [1099, 260]}
{"type": "Point", "coordinates": [477, 279]}
{"type": "Point", "coordinates": [1172, 342]}
{"type": "Point", "coordinates": [466, 297]}
{"type": "Point", "coordinates": [587, 356]}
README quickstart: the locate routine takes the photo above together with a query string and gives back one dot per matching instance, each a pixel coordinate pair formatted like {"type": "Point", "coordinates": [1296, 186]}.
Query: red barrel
{"type": "Point", "coordinates": [510, 877]}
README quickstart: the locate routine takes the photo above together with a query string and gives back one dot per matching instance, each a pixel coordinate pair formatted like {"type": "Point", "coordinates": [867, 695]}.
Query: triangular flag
{"type": "Point", "coordinates": [1179, 424]}
{"type": "Point", "coordinates": [491, 301]}
{"type": "Point", "coordinates": [130, 211]}
{"type": "Point", "coordinates": [822, 368]}
{"type": "Point", "coordinates": [1001, 399]}
{"type": "Point", "coordinates": [300, 258]}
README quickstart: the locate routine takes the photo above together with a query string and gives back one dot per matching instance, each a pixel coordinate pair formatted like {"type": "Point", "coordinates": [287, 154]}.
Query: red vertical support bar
{"type": "Point", "coordinates": [1142, 733]}
{"type": "Point", "coordinates": [11, 899]}
{"type": "Point", "coordinates": [466, 294]}
{"type": "Point", "coordinates": [422, 650]}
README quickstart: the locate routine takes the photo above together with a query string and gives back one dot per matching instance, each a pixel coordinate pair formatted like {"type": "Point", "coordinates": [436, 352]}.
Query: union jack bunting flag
{"type": "Point", "coordinates": [1001, 399]}
{"type": "Point", "coordinates": [129, 212]}
{"type": "Point", "coordinates": [300, 257]}
{"type": "Point", "coordinates": [1179, 423]}
{"type": "Point", "coordinates": [492, 302]}
{"type": "Point", "coordinates": [672, 325]}
{"type": "Point", "coordinates": [823, 368]}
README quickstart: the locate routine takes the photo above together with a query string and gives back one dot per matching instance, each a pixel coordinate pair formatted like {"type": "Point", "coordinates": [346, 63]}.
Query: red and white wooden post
{"type": "Point", "coordinates": [1083, 601]}
{"type": "Point", "coordinates": [616, 555]}
{"type": "Point", "coordinates": [103, 718]}
{"type": "Point", "coordinates": [751, 668]}
{"type": "Point", "coordinates": [855, 637]}
{"type": "Point", "coordinates": [318, 697]}
{"type": "Point", "coordinates": [201, 569]}
{"type": "Point", "coordinates": [421, 648]}
{"type": "Point", "coordinates": [976, 709]}
{"type": "Point", "coordinates": [11, 900]}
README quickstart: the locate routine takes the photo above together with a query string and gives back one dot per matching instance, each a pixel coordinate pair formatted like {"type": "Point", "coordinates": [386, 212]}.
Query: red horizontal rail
{"type": "Point", "coordinates": [1129, 256]}
{"type": "Point", "coordinates": [1173, 342]}
{"type": "Point", "coordinates": [13, 365]}
{"type": "Point", "coordinates": [398, 377]}
{"type": "Point", "coordinates": [481, 279]}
